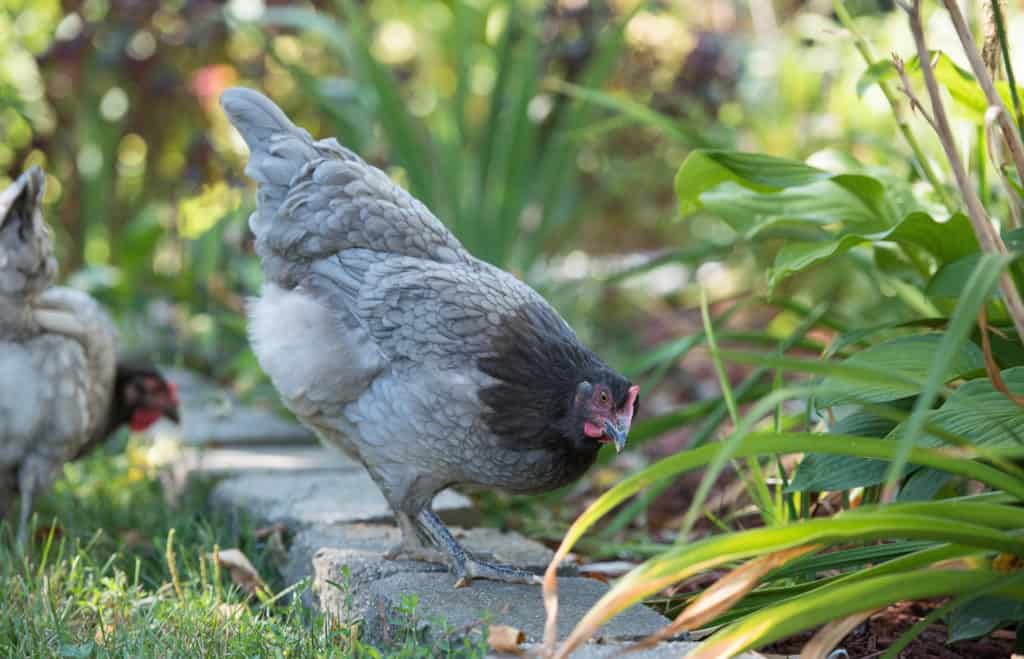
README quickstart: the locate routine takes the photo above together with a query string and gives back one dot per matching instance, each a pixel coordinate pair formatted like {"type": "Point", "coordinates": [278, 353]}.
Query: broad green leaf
{"type": "Point", "coordinates": [948, 281]}
{"type": "Point", "coordinates": [797, 256]}
{"type": "Point", "coordinates": [977, 411]}
{"type": "Point", "coordinates": [909, 355]}
{"type": "Point", "coordinates": [832, 473]}
{"type": "Point", "coordinates": [705, 169]}
{"type": "Point", "coordinates": [879, 71]}
{"type": "Point", "coordinates": [923, 485]}
{"type": "Point", "coordinates": [947, 241]}
{"type": "Point", "coordinates": [948, 357]}
{"type": "Point", "coordinates": [980, 616]}
{"type": "Point", "coordinates": [821, 205]}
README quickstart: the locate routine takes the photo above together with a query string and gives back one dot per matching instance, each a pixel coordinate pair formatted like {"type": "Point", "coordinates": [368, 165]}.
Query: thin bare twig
{"type": "Point", "coordinates": [920, 159]}
{"type": "Point", "coordinates": [908, 91]}
{"type": "Point", "coordinates": [1010, 133]}
{"type": "Point", "coordinates": [988, 238]}
{"type": "Point", "coordinates": [994, 142]}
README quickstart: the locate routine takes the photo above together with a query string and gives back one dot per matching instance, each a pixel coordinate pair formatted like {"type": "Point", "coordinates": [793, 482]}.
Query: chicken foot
{"type": "Point", "coordinates": [464, 565]}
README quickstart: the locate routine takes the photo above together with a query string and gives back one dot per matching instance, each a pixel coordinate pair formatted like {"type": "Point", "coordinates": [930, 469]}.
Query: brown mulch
{"type": "Point", "coordinates": [884, 627]}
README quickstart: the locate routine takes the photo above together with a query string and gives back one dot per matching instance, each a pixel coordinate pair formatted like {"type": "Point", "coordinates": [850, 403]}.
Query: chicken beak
{"type": "Point", "coordinates": [618, 432]}
{"type": "Point", "coordinates": [171, 409]}
{"type": "Point", "coordinates": [172, 414]}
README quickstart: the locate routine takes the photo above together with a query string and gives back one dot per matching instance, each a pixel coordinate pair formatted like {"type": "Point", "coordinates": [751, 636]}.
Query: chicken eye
{"type": "Point", "coordinates": [604, 398]}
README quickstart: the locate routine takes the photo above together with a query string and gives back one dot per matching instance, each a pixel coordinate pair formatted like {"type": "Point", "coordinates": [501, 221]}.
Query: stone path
{"type": "Point", "coordinates": [270, 471]}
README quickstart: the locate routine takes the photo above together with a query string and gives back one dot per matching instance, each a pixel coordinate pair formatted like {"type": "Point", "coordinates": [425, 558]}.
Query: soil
{"type": "Point", "coordinates": [884, 627]}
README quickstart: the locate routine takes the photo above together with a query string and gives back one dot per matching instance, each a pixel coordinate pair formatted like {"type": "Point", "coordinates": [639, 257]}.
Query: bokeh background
{"type": "Point", "coordinates": [546, 134]}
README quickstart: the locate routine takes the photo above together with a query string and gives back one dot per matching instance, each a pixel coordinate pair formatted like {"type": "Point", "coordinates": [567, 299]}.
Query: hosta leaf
{"type": "Point", "coordinates": [822, 204]}
{"type": "Point", "coordinates": [975, 411]}
{"type": "Point", "coordinates": [980, 413]}
{"type": "Point", "coordinates": [947, 241]}
{"type": "Point", "coordinates": [705, 169]}
{"type": "Point", "coordinates": [910, 356]}
{"type": "Point", "coordinates": [923, 485]}
{"type": "Point", "coordinates": [829, 472]}
{"type": "Point", "coordinates": [980, 616]}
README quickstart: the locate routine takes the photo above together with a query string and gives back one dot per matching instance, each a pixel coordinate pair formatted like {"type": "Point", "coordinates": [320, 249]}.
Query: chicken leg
{"type": "Point", "coordinates": [464, 565]}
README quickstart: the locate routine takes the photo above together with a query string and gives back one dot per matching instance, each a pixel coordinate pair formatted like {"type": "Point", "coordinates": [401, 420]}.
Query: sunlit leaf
{"type": "Point", "coordinates": [909, 355]}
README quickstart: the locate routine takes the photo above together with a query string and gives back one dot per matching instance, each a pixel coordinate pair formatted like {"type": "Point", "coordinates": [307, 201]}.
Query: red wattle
{"type": "Point", "coordinates": [143, 418]}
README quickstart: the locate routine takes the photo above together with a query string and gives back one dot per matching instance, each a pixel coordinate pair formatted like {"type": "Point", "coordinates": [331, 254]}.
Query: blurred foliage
{"type": "Point", "coordinates": [475, 105]}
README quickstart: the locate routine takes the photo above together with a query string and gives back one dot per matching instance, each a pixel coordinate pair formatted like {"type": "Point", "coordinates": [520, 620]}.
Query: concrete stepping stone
{"type": "Point", "coordinates": [211, 416]}
{"type": "Point", "coordinates": [354, 584]}
{"type": "Point", "coordinates": [321, 497]}
{"type": "Point", "coordinates": [367, 543]}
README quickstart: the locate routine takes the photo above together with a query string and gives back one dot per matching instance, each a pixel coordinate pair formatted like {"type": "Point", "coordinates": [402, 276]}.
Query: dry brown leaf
{"type": "Point", "coordinates": [991, 367]}
{"type": "Point", "coordinates": [830, 635]}
{"type": "Point", "coordinates": [503, 638]}
{"type": "Point", "coordinates": [724, 594]}
{"type": "Point", "coordinates": [242, 572]}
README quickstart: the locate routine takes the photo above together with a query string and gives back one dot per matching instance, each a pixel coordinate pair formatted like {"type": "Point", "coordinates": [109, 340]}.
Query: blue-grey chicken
{"type": "Point", "coordinates": [62, 389]}
{"type": "Point", "coordinates": [394, 344]}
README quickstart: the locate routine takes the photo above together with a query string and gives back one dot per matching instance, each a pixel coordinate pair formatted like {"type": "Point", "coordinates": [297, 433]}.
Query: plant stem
{"type": "Point", "coordinates": [1010, 134]}
{"type": "Point", "coordinates": [1004, 46]}
{"type": "Point", "coordinates": [988, 238]}
{"type": "Point", "coordinates": [920, 159]}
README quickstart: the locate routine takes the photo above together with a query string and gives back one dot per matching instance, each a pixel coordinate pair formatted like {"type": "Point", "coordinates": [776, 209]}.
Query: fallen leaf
{"type": "Point", "coordinates": [606, 570]}
{"type": "Point", "coordinates": [503, 638]}
{"type": "Point", "coordinates": [242, 572]}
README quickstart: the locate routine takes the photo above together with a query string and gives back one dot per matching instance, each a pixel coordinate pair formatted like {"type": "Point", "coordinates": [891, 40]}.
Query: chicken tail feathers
{"type": "Point", "coordinates": [278, 149]}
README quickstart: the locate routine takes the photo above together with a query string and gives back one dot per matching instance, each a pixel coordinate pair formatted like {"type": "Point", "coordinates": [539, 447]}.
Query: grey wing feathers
{"type": "Point", "coordinates": [444, 314]}
{"type": "Point", "coordinates": [317, 199]}
{"type": "Point", "coordinates": [44, 404]}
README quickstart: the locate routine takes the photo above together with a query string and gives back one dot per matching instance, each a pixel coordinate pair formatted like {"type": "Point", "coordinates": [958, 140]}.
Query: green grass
{"type": "Point", "coordinates": [99, 581]}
